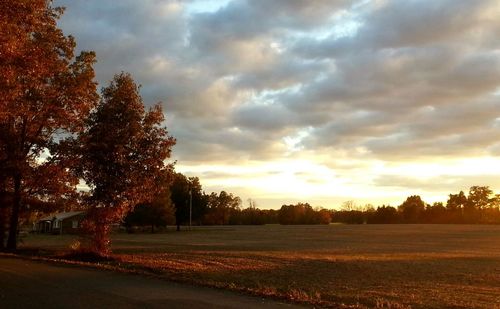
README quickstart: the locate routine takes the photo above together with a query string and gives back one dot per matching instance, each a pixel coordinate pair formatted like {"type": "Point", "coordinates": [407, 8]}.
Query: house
{"type": "Point", "coordinates": [61, 223]}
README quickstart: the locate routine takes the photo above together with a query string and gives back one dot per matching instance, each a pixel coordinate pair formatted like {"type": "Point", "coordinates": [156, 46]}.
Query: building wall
{"type": "Point", "coordinates": [68, 227]}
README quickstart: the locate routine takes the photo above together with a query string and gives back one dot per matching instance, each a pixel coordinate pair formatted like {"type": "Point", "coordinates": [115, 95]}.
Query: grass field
{"type": "Point", "coordinates": [392, 266]}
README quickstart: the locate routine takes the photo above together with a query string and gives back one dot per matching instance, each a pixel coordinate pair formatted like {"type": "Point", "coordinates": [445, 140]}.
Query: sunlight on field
{"type": "Point", "coordinates": [360, 265]}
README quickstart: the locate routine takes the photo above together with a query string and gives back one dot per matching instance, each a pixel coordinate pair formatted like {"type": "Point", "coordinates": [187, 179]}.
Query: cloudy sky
{"type": "Point", "coordinates": [321, 101]}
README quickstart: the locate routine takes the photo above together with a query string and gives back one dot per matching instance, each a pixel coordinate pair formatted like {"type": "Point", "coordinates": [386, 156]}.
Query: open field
{"type": "Point", "coordinates": [394, 266]}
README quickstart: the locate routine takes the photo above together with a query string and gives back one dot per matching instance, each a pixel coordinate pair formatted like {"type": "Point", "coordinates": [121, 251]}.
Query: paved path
{"type": "Point", "coordinates": [30, 284]}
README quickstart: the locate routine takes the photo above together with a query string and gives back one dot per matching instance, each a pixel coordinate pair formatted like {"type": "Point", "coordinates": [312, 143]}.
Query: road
{"type": "Point", "coordinates": [31, 284]}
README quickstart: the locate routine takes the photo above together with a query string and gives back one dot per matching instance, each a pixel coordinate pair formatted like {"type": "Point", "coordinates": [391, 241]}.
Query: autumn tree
{"type": "Point", "coordinates": [45, 94]}
{"type": "Point", "coordinates": [158, 213]}
{"type": "Point", "coordinates": [155, 214]}
{"type": "Point", "coordinates": [323, 216]}
{"type": "Point", "coordinates": [185, 190]}
{"type": "Point", "coordinates": [3, 213]}
{"type": "Point", "coordinates": [122, 153]}
{"type": "Point", "coordinates": [221, 206]}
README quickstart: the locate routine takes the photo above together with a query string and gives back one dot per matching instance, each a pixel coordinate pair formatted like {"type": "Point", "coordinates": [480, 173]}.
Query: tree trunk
{"type": "Point", "coordinates": [2, 214]}
{"type": "Point", "coordinates": [2, 222]}
{"type": "Point", "coordinates": [2, 229]}
{"type": "Point", "coordinates": [14, 218]}
{"type": "Point", "coordinates": [101, 241]}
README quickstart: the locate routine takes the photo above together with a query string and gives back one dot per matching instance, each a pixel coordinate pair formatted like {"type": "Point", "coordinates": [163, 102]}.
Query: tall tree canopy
{"type": "Point", "coordinates": [45, 95]}
{"type": "Point", "coordinates": [122, 153]}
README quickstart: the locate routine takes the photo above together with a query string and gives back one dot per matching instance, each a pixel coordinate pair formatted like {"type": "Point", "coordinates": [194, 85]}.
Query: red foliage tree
{"type": "Point", "coordinates": [123, 150]}
{"type": "Point", "coordinates": [45, 94]}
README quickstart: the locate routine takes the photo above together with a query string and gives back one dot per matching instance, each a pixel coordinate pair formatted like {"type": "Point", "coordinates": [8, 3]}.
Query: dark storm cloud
{"type": "Point", "coordinates": [397, 79]}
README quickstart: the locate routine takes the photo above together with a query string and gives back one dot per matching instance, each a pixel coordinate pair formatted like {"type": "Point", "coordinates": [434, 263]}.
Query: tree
{"type": "Point", "coordinates": [492, 213]}
{"type": "Point", "coordinates": [158, 213]}
{"type": "Point", "coordinates": [221, 206]}
{"type": "Point", "coordinates": [349, 206]}
{"type": "Point", "coordinates": [303, 213]}
{"type": "Point", "coordinates": [412, 209]}
{"type": "Point", "coordinates": [323, 216]}
{"type": "Point", "coordinates": [251, 215]}
{"type": "Point", "coordinates": [385, 214]}
{"type": "Point", "coordinates": [477, 201]}
{"type": "Point", "coordinates": [435, 213]}
{"type": "Point", "coordinates": [122, 153]}
{"type": "Point", "coordinates": [3, 215]}
{"type": "Point", "coordinates": [479, 197]}
{"type": "Point", "coordinates": [45, 95]}
{"type": "Point", "coordinates": [180, 195]}
{"type": "Point", "coordinates": [455, 206]}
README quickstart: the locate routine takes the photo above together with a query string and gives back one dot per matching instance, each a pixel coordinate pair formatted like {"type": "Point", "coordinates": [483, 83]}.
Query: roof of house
{"type": "Point", "coordinates": [61, 216]}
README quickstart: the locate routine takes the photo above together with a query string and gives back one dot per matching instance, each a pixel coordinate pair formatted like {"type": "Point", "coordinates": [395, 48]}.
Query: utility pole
{"type": "Point", "coordinates": [190, 208]}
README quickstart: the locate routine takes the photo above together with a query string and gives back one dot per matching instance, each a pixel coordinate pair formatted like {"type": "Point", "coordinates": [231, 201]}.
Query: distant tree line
{"type": "Point", "coordinates": [479, 206]}
{"type": "Point", "coordinates": [183, 200]}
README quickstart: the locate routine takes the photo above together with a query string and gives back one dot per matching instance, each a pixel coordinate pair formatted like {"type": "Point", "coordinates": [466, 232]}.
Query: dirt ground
{"type": "Point", "coordinates": [398, 266]}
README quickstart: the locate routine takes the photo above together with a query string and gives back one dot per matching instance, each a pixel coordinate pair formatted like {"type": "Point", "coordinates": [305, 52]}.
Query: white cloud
{"type": "Point", "coordinates": [353, 86]}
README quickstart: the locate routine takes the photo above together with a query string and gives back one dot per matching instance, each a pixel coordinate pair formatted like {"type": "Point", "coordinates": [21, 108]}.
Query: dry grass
{"type": "Point", "coordinates": [384, 266]}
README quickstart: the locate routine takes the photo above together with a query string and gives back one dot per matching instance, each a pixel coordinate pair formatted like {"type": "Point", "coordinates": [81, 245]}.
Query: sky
{"type": "Point", "coordinates": [321, 101]}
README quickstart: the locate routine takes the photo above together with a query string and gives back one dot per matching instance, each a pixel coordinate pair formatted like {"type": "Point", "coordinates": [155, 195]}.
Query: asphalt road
{"type": "Point", "coordinates": [30, 284]}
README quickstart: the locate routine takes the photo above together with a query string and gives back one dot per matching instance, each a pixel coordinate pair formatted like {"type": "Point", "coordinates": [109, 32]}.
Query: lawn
{"type": "Point", "coordinates": [397, 266]}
